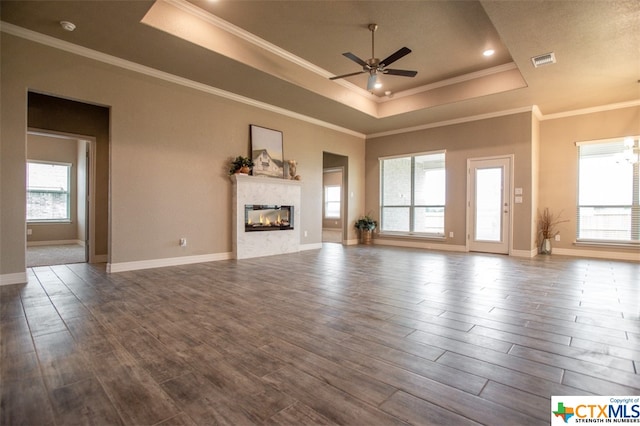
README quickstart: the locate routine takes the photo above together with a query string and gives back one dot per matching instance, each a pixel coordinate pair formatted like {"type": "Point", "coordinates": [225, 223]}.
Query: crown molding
{"type": "Point", "coordinates": [218, 22]}
{"type": "Point", "coordinates": [601, 108]}
{"type": "Point", "coordinates": [454, 80]}
{"type": "Point", "coordinates": [534, 109]}
{"type": "Point", "coordinates": [53, 42]}
{"type": "Point", "coordinates": [245, 35]}
{"type": "Point", "coordinates": [261, 43]}
{"type": "Point", "coordinates": [30, 35]}
{"type": "Point", "coordinates": [537, 113]}
{"type": "Point", "coordinates": [451, 122]}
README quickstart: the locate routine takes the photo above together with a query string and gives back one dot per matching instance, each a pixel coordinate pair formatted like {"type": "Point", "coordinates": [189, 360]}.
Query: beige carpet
{"type": "Point", "coordinates": [55, 255]}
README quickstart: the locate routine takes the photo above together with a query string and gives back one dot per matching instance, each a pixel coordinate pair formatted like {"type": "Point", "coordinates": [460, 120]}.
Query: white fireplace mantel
{"type": "Point", "coordinates": [249, 190]}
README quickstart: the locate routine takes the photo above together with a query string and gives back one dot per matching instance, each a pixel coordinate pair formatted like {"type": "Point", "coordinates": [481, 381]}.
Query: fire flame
{"type": "Point", "coordinates": [267, 220]}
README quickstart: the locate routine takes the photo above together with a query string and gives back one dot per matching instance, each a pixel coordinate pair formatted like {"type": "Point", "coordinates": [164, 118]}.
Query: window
{"type": "Point", "coordinates": [332, 202]}
{"type": "Point", "coordinates": [48, 195]}
{"type": "Point", "coordinates": [412, 194]}
{"type": "Point", "coordinates": [609, 191]}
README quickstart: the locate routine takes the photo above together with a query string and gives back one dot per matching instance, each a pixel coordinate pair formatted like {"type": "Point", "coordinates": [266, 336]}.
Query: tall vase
{"type": "Point", "coordinates": [366, 236]}
{"type": "Point", "coordinates": [545, 246]}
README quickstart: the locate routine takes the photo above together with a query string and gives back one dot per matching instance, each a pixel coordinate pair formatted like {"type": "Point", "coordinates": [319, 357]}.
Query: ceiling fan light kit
{"type": "Point", "coordinates": [374, 66]}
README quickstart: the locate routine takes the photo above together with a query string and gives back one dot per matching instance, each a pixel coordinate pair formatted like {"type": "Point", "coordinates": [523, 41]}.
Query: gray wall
{"type": "Point", "coordinates": [507, 135]}
{"type": "Point", "coordinates": [168, 151]}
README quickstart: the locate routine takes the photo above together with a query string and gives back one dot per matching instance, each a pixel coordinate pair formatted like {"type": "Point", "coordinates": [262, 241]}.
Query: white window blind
{"type": "Point", "coordinates": [609, 191]}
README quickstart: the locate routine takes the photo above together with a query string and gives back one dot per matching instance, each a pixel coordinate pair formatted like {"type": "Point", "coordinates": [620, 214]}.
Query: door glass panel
{"type": "Point", "coordinates": [488, 217]}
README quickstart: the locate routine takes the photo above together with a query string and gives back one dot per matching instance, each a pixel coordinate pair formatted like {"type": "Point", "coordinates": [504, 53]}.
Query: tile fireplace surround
{"type": "Point", "coordinates": [267, 191]}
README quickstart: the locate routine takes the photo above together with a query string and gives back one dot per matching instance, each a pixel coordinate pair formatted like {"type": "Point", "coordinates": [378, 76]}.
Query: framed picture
{"type": "Point", "coordinates": [266, 152]}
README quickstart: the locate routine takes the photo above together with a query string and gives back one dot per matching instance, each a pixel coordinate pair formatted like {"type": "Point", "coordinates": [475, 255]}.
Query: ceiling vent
{"type": "Point", "coordinates": [546, 59]}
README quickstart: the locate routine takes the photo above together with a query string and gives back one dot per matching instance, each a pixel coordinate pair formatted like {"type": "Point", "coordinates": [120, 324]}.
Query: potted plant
{"type": "Point", "coordinates": [241, 165]}
{"type": "Point", "coordinates": [547, 223]}
{"type": "Point", "coordinates": [365, 226]}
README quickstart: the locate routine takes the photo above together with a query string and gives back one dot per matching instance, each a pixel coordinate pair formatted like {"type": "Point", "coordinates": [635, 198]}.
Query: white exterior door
{"type": "Point", "coordinates": [488, 205]}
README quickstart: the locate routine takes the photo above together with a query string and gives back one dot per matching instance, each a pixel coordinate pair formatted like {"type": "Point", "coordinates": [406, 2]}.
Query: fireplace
{"type": "Point", "coordinates": [265, 193]}
{"type": "Point", "coordinates": [260, 217]}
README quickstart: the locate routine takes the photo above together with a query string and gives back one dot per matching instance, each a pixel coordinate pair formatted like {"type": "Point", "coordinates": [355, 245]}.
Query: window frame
{"type": "Point", "coordinates": [634, 240]}
{"type": "Point", "coordinates": [412, 206]}
{"type": "Point", "coordinates": [326, 202]}
{"type": "Point", "coordinates": [68, 192]}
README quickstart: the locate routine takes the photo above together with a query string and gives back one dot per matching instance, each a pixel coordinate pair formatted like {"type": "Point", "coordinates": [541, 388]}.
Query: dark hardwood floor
{"type": "Point", "coordinates": [344, 335]}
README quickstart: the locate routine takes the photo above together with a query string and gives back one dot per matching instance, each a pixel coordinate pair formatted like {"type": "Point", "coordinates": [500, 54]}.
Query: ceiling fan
{"type": "Point", "coordinates": [375, 66]}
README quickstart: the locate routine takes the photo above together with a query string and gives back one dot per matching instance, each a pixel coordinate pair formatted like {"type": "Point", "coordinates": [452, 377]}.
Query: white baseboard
{"type": "Point", "coordinates": [351, 242]}
{"type": "Point", "coordinates": [313, 246]}
{"type": "Point", "coordinates": [419, 244]}
{"type": "Point", "coordinates": [17, 278]}
{"type": "Point", "coordinates": [598, 254]}
{"type": "Point", "coordinates": [524, 253]}
{"type": "Point", "coordinates": [171, 261]}
{"type": "Point", "coordinates": [54, 243]}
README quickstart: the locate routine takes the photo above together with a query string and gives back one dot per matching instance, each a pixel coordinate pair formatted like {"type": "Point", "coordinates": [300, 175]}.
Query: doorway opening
{"type": "Point", "coordinates": [334, 206]}
{"type": "Point", "coordinates": [489, 205]}
{"type": "Point", "coordinates": [64, 131]}
{"type": "Point", "coordinates": [59, 183]}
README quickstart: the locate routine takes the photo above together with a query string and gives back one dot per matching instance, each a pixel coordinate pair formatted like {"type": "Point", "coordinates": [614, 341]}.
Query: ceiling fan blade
{"type": "Point", "coordinates": [403, 73]}
{"type": "Point", "coordinates": [355, 59]}
{"type": "Point", "coordinates": [395, 56]}
{"type": "Point", "coordinates": [345, 75]}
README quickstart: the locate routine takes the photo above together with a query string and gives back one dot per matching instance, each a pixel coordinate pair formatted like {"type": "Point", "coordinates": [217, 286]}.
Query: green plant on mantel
{"type": "Point", "coordinates": [241, 165]}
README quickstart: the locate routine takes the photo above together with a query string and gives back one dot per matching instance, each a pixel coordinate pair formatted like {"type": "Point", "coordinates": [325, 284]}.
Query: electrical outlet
{"type": "Point", "coordinates": [183, 242]}
{"type": "Point", "coordinates": [451, 234]}
{"type": "Point", "coordinates": [305, 234]}
{"type": "Point", "coordinates": [558, 237]}
{"type": "Point", "coordinates": [29, 231]}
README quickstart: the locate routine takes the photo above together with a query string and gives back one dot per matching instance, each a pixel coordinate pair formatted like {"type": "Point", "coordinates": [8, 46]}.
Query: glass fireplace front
{"type": "Point", "coordinates": [259, 217]}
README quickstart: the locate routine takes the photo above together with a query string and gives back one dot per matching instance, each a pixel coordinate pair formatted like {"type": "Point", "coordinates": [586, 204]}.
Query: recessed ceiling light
{"type": "Point", "coordinates": [68, 26]}
{"type": "Point", "coordinates": [489, 52]}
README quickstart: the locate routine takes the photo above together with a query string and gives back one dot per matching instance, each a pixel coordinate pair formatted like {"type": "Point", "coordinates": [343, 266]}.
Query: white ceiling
{"type": "Point", "coordinates": [282, 52]}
